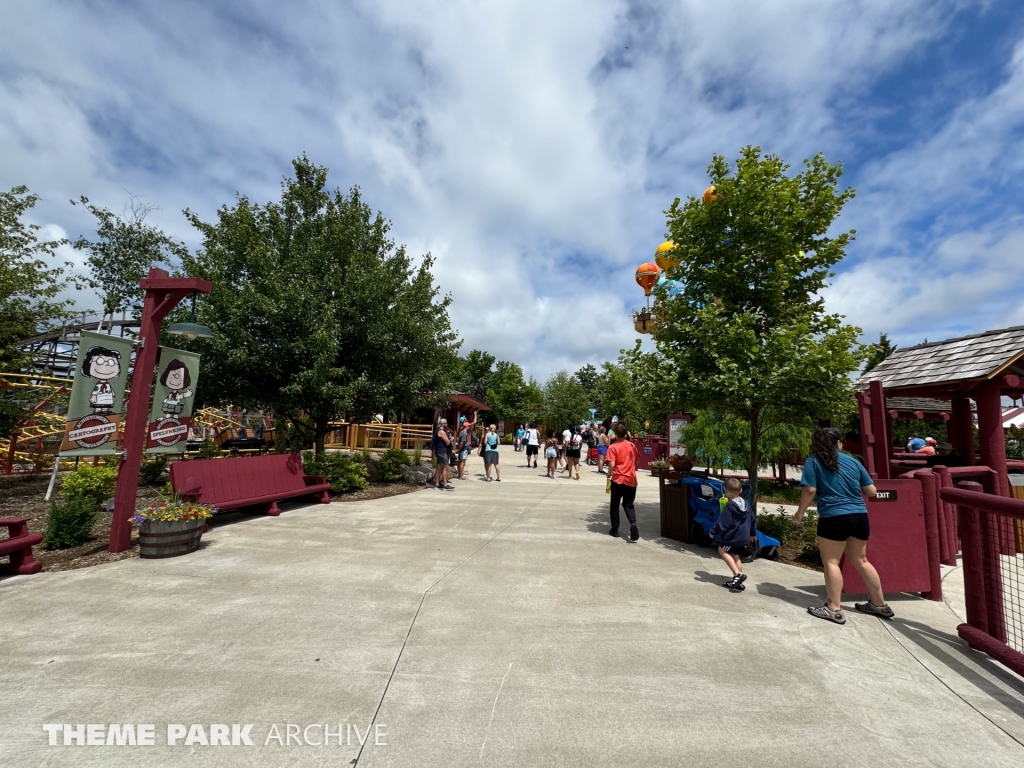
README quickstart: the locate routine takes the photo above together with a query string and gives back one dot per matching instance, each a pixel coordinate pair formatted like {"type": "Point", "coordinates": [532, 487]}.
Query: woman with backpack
{"type": "Point", "coordinates": [490, 449]}
{"type": "Point", "coordinates": [572, 453]}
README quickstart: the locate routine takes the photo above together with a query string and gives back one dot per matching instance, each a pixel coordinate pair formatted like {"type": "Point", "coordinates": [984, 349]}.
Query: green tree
{"type": "Point", "coordinates": [749, 333]}
{"type": "Point", "coordinates": [317, 312]}
{"type": "Point", "coordinates": [477, 374]}
{"type": "Point", "coordinates": [588, 377]}
{"type": "Point", "coordinates": [123, 253]}
{"type": "Point", "coordinates": [510, 396]}
{"type": "Point", "coordinates": [878, 351]}
{"type": "Point", "coordinates": [566, 403]}
{"type": "Point", "coordinates": [723, 440]}
{"type": "Point", "coordinates": [29, 286]}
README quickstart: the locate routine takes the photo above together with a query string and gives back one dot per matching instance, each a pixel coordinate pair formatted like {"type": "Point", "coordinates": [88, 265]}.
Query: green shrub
{"type": "Point", "coordinates": [343, 473]}
{"type": "Point", "coordinates": [508, 439]}
{"type": "Point", "coordinates": [95, 484]}
{"type": "Point", "coordinates": [151, 471]}
{"type": "Point", "coordinates": [70, 522]}
{"type": "Point", "coordinates": [417, 455]}
{"type": "Point", "coordinates": [777, 492]}
{"type": "Point", "coordinates": [803, 537]}
{"type": "Point", "coordinates": [391, 463]}
{"type": "Point", "coordinates": [209, 450]}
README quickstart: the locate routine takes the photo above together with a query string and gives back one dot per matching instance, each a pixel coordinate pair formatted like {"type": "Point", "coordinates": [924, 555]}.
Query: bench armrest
{"type": "Point", "coordinates": [315, 479]}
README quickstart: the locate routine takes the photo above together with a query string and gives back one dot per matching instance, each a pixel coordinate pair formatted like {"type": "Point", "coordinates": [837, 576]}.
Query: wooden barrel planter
{"type": "Point", "coordinates": [159, 539]}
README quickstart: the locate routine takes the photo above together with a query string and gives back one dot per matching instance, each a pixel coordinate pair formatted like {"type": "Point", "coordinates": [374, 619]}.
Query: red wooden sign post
{"type": "Point", "coordinates": [163, 293]}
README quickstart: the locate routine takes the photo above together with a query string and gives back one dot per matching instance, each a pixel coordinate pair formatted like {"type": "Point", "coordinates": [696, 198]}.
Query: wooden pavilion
{"type": "Point", "coordinates": [982, 368]}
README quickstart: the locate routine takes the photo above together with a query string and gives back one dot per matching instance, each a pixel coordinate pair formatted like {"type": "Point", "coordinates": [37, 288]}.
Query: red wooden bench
{"type": "Point", "coordinates": [246, 482]}
{"type": "Point", "coordinates": [19, 546]}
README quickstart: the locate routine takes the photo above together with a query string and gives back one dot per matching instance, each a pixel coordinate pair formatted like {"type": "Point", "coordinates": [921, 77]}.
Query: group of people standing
{"type": "Point", "coordinates": [454, 449]}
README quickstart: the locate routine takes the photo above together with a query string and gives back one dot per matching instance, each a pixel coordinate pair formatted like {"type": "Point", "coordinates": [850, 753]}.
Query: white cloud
{"type": "Point", "coordinates": [530, 146]}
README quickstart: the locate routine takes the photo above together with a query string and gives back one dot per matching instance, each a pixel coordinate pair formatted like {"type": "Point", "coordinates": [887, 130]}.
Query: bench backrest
{"type": "Point", "coordinates": [214, 481]}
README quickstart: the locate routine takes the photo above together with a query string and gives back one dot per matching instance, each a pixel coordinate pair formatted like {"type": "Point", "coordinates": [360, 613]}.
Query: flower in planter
{"type": "Point", "coordinates": [172, 512]}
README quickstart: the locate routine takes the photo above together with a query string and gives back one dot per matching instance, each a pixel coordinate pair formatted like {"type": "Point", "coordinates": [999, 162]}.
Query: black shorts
{"type": "Point", "coordinates": [531, 450]}
{"type": "Point", "coordinates": [441, 456]}
{"type": "Point", "coordinates": [572, 454]}
{"type": "Point", "coordinates": [843, 527]}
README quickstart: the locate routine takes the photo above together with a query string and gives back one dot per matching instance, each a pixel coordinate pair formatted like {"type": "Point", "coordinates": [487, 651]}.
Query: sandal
{"type": "Point", "coordinates": [824, 612]}
{"type": "Point", "coordinates": [881, 611]}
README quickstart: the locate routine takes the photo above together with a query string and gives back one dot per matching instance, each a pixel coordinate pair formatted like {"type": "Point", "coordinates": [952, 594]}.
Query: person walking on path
{"type": "Point", "coordinates": [520, 433]}
{"type": "Point", "coordinates": [491, 453]}
{"type": "Point", "coordinates": [441, 444]}
{"type": "Point", "coordinates": [551, 454]}
{"type": "Point", "coordinates": [532, 444]}
{"type": "Point", "coordinates": [622, 460]}
{"type": "Point", "coordinates": [573, 449]}
{"type": "Point", "coordinates": [734, 530]}
{"type": "Point", "coordinates": [602, 449]}
{"type": "Point", "coordinates": [840, 483]}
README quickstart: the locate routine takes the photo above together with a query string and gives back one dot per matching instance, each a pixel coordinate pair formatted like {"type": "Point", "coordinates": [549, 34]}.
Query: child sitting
{"type": "Point", "coordinates": [734, 530]}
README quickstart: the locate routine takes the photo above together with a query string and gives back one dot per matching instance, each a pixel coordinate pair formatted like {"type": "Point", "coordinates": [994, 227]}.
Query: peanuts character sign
{"type": "Point", "coordinates": [177, 380]}
{"type": "Point", "coordinates": [97, 395]}
{"type": "Point", "coordinates": [171, 413]}
{"type": "Point", "coordinates": [105, 365]}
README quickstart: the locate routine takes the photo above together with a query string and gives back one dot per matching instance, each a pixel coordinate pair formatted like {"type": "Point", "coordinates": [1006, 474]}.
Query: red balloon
{"type": "Point", "coordinates": [647, 275]}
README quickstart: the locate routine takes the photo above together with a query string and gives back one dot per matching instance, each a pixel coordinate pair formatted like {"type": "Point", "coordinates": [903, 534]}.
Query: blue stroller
{"type": "Point", "coordinates": [707, 499]}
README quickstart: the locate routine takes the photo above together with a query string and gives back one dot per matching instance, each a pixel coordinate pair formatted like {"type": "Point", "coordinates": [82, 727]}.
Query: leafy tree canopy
{"type": "Point", "coordinates": [123, 253]}
{"type": "Point", "coordinates": [477, 373]}
{"type": "Point", "coordinates": [316, 311]}
{"type": "Point", "coordinates": [566, 403]}
{"type": "Point", "coordinates": [749, 335]}
{"type": "Point", "coordinates": [29, 286]}
{"type": "Point", "coordinates": [511, 397]}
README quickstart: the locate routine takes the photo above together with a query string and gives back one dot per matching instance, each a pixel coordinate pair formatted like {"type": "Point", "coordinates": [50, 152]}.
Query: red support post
{"type": "Point", "coordinates": [974, 561]}
{"type": "Point", "coordinates": [880, 429]}
{"type": "Point", "coordinates": [961, 429]}
{"type": "Point", "coordinates": [867, 435]}
{"type": "Point", "coordinates": [991, 438]}
{"type": "Point", "coordinates": [930, 489]}
{"type": "Point", "coordinates": [162, 294]}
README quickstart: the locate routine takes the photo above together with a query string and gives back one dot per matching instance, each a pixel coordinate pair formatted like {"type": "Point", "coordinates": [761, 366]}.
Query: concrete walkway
{"type": "Point", "coordinates": [496, 625]}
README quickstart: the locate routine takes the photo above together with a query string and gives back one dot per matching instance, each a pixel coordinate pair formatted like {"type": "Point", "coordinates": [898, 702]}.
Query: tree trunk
{"type": "Point", "coordinates": [755, 457]}
{"type": "Point", "coordinates": [322, 427]}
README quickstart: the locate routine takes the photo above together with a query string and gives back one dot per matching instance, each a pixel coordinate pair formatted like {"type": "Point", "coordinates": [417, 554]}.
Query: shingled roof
{"type": "Point", "coordinates": [926, 404]}
{"type": "Point", "coordinates": [968, 358]}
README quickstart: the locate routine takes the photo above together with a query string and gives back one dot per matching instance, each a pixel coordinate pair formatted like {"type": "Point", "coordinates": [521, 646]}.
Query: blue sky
{"type": "Point", "coordinates": [532, 146]}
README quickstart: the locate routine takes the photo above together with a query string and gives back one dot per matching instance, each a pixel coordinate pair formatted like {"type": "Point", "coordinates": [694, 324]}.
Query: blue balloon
{"type": "Point", "coordinates": [661, 282]}
{"type": "Point", "coordinates": [676, 289]}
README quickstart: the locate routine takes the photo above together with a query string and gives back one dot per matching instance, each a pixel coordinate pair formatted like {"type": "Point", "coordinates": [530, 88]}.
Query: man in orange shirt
{"type": "Point", "coordinates": [622, 458]}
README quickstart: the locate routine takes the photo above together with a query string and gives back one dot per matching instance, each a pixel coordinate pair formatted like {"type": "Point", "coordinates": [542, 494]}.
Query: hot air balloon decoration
{"type": "Point", "coordinates": [647, 277]}
{"type": "Point", "coordinates": [644, 321]}
{"type": "Point", "coordinates": [709, 195]}
{"type": "Point", "coordinates": [663, 256]}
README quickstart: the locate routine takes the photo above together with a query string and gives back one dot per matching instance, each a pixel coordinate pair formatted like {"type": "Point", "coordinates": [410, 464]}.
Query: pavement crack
{"type": "Point", "coordinates": [412, 624]}
{"type": "Point", "coordinates": [494, 706]}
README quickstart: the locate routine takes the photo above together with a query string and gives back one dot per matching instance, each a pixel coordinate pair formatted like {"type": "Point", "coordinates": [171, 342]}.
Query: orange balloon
{"type": "Point", "coordinates": [710, 196]}
{"type": "Point", "coordinates": [663, 255]}
{"type": "Point", "coordinates": [647, 277]}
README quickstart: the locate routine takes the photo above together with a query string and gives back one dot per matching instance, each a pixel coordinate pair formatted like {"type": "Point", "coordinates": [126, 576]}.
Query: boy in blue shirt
{"type": "Point", "coordinates": [734, 530]}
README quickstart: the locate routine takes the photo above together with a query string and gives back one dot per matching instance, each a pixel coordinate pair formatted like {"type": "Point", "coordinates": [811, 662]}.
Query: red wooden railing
{"type": "Point", "coordinates": [992, 543]}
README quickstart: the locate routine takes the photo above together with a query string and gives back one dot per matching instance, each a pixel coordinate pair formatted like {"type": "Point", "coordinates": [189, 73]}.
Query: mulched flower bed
{"type": "Point", "coordinates": [22, 496]}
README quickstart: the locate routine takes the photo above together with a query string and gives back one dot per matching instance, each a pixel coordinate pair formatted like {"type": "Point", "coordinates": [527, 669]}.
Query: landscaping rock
{"type": "Point", "coordinates": [417, 475]}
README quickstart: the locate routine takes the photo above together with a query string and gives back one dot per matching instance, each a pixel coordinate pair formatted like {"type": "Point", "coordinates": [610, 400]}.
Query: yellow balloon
{"type": "Point", "coordinates": [662, 256]}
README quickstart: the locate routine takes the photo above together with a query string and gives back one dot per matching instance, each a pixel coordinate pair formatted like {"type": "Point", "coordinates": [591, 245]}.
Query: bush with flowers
{"type": "Point", "coordinates": [173, 511]}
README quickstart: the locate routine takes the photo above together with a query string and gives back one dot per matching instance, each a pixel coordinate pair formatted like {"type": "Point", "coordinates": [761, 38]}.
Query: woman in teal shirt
{"type": "Point", "coordinates": [840, 482]}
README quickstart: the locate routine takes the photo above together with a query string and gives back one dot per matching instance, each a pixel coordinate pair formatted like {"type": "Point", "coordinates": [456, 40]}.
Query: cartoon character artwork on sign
{"type": "Point", "coordinates": [97, 396]}
{"type": "Point", "coordinates": [104, 365]}
{"type": "Point", "coordinates": [171, 414]}
{"type": "Point", "coordinates": [177, 380]}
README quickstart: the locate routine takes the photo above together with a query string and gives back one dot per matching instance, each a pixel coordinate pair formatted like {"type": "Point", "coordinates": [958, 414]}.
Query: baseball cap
{"type": "Point", "coordinates": [930, 440]}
